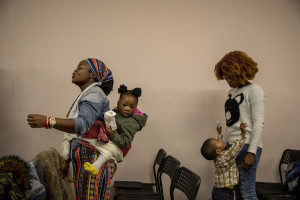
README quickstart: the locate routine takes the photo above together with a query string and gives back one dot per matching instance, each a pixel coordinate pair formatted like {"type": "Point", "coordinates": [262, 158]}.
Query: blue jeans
{"type": "Point", "coordinates": [247, 178]}
{"type": "Point", "coordinates": [222, 194]}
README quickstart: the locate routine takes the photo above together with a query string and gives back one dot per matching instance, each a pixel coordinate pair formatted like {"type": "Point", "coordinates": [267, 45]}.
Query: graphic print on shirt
{"type": "Point", "coordinates": [232, 110]}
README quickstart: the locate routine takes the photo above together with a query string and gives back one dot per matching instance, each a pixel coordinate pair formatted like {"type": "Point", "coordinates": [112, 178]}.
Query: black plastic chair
{"type": "Point", "coordinates": [294, 196]}
{"type": "Point", "coordinates": [168, 167]}
{"type": "Point", "coordinates": [186, 181]}
{"type": "Point", "coordinates": [139, 187]}
{"type": "Point", "coordinates": [266, 189]}
{"type": "Point", "coordinates": [138, 197]}
{"type": "Point", "coordinates": [281, 197]}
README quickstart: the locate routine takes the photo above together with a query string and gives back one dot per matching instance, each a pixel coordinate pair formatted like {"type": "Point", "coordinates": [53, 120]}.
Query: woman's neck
{"type": "Point", "coordinates": [85, 85]}
{"type": "Point", "coordinates": [246, 83]}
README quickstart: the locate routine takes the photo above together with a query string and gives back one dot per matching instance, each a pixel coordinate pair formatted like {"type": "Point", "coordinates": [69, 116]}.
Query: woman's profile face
{"type": "Point", "coordinates": [232, 81]}
{"type": "Point", "coordinates": [82, 74]}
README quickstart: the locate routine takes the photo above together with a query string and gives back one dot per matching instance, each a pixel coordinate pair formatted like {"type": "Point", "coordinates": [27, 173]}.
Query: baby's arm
{"type": "Point", "coordinates": [126, 134]}
{"type": "Point", "coordinates": [238, 143]}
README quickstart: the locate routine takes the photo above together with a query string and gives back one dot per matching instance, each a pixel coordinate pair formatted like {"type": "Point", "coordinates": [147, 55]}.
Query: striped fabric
{"type": "Point", "coordinates": [98, 131]}
{"type": "Point", "coordinates": [89, 187]}
{"type": "Point", "coordinates": [99, 69]}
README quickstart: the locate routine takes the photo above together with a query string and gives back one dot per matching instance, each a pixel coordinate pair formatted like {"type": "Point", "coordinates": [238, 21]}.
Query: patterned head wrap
{"type": "Point", "coordinates": [99, 69]}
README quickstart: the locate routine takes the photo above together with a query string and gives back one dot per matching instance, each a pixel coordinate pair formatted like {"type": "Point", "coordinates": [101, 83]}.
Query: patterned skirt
{"type": "Point", "coordinates": [89, 187]}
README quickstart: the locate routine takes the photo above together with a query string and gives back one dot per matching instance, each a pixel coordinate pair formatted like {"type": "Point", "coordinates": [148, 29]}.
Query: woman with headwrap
{"type": "Point", "coordinates": [95, 81]}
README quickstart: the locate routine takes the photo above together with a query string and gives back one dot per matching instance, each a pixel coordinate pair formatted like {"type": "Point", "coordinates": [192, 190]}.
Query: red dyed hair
{"type": "Point", "coordinates": [238, 65]}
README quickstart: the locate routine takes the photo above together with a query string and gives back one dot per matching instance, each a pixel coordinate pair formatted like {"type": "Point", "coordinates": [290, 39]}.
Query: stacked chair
{"type": "Point", "coordinates": [139, 187]}
{"type": "Point", "coordinates": [276, 191]}
{"type": "Point", "coordinates": [186, 181]}
{"type": "Point", "coordinates": [181, 178]}
{"type": "Point", "coordinates": [168, 166]}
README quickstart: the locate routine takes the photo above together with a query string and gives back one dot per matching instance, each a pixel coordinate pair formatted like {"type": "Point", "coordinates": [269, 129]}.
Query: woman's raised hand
{"type": "Point", "coordinates": [36, 121]}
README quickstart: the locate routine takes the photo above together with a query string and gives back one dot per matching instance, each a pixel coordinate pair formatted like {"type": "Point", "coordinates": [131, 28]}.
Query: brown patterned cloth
{"type": "Point", "coordinates": [56, 189]}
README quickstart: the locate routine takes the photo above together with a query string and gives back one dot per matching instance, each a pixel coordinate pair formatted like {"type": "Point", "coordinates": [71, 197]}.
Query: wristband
{"type": "Point", "coordinates": [47, 123]}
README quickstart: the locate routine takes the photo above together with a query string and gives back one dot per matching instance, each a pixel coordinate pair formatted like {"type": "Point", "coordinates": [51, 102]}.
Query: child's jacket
{"type": "Point", "coordinates": [127, 128]}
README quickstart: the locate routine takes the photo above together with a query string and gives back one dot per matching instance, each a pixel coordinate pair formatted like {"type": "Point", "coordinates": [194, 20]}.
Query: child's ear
{"type": "Point", "coordinates": [218, 151]}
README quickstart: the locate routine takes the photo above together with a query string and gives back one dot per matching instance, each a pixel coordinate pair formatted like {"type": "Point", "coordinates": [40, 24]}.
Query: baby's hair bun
{"type": "Point", "coordinates": [137, 92]}
{"type": "Point", "coordinates": [122, 89]}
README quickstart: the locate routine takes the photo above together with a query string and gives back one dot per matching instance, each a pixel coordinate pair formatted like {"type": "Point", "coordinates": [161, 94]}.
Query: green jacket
{"type": "Point", "coordinates": [127, 128]}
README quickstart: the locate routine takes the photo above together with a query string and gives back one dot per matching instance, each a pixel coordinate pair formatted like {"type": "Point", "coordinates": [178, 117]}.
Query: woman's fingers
{"type": "Point", "coordinates": [31, 122]}
{"type": "Point", "coordinates": [36, 121]}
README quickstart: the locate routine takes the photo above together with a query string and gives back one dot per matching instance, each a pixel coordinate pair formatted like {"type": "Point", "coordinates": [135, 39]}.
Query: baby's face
{"type": "Point", "coordinates": [219, 144]}
{"type": "Point", "coordinates": [127, 105]}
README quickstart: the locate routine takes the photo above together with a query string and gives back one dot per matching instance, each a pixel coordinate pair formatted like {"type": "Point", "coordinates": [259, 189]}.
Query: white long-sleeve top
{"type": "Point", "coordinates": [246, 104]}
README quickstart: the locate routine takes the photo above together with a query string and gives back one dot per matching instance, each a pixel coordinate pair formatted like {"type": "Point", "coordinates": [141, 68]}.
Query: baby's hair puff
{"type": "Point", "coordinates": [238, 65]}
{"type": "Point", "coordinates": [136, 92]}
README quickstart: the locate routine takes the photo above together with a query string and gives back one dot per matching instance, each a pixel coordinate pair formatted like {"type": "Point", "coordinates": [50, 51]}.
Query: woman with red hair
{"type": "Point", "coordinates": [245, 103]}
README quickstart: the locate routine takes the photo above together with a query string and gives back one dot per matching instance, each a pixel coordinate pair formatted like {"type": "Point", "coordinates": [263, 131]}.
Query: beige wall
{"type": "Point", "coordinates": [169, 49]}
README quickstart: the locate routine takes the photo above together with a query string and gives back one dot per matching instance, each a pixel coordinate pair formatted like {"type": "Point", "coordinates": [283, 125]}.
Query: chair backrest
{"type": "Point", "coordinates": [169, 167]}
{"type": "Point", "coordinates": [288, 156]}
{"type": "Point", "coordinates": [186, 181]}
{"type": "Point", "coordinates": [160, 156]}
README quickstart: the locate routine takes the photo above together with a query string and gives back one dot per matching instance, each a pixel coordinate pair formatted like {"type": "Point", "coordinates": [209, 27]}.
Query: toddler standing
{"type": "Point", "coordinates": [226, 173]}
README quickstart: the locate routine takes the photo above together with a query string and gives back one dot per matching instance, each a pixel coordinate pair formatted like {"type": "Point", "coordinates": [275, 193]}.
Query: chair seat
{"type": "Point", "coordinates": [124, 188]}
{"type": "Point", "coordinates": [128, 184]}
{"type": "Point", "coordinates": [275, 197]}
{"type": "Point", "coordinates": [138, 197]}
{"type": "Point", "coordinates": [263, 188]}
{"type": "Point", "coordinates": [146, 188]}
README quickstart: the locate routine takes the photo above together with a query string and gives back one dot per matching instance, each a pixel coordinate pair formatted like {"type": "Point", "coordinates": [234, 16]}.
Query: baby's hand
{"type": "Point", "coordinates": [243, 127]}
{"type": "Point", "coordinates": [219, 137]}
{"type": "Point", "coordinates": [219, 129]}
{"type": "Point", "coordinates": [108, 131]}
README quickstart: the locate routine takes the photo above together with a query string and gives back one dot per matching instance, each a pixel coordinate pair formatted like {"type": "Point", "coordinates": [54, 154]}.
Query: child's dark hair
{"type": "Point", "coordinates": [208, 150]}
{"type": "Point", "coordinates": [136, 92]}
